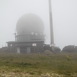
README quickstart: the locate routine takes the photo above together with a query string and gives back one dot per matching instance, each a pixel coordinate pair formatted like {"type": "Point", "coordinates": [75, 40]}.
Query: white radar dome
{"type": "Point", "coordinates": [30, 28]}
{"type": "Point", "coordinates": [29, 23]}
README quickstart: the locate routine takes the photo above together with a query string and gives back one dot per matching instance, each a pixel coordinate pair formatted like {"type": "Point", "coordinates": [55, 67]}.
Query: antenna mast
{"type": "Point", "coordinates": [51, 25]}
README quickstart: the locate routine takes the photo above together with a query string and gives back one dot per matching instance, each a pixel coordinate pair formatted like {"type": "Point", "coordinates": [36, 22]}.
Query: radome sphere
{"type": "Point", "coordinates": [30, 27]}
{"type": "Point", "coordinates": [29, 23]}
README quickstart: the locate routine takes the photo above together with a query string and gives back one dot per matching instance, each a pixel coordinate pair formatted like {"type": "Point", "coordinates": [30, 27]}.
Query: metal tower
{"type": "Point", "coordinates": [51, 25]}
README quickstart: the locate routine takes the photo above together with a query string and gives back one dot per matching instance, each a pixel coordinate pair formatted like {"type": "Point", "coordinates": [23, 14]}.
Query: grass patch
{"type": "Point", "coordinates": [39, 64]}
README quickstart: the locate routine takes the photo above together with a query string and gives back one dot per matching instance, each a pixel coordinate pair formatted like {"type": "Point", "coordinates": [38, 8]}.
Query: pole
{"type": "Point", "coordinates": [51, 25]}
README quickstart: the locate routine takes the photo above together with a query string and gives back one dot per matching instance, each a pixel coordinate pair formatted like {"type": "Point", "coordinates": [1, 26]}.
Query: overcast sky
{"type": "Point", "coordinates": [64, 19]}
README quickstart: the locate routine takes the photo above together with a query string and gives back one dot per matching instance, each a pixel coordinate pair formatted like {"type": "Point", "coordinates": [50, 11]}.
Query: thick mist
{"type": "Point", "coordinates": [64, 14]}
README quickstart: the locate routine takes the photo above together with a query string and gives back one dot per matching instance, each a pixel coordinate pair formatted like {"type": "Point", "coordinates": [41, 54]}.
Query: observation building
{"type": "Point", "coordinates": [29, 36]}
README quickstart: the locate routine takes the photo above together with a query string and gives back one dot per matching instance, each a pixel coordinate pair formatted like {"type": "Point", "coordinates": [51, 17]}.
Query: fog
{"type": "Point", "coordinates": [64, 14]}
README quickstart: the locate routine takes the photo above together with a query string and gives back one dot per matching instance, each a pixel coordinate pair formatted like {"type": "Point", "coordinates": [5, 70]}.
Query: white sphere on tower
{"type": "Point", "coordinates": [30, 28]}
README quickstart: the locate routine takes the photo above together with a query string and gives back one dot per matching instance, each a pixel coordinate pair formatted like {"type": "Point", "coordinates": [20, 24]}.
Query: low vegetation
{"type": "Point", "coordinates": [38, 65]}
